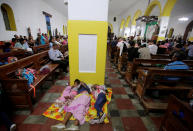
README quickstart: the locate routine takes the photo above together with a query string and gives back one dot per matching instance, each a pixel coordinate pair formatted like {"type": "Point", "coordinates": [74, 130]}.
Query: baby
{"type": "Point", "coordinates": [99, 93]}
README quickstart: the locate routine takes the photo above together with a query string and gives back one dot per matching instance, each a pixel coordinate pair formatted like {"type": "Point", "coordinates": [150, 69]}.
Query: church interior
{"type": "Point", "coordinates": [96, 65]}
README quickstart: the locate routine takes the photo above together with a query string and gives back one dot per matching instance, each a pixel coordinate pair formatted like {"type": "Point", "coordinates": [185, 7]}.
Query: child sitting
{"type": "Point", "coordinates": [99, 93]}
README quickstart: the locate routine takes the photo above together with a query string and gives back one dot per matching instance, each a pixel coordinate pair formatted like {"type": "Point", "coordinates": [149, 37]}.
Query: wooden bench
{"type": "Point", "coordinates": [160, 56]}
{"type": "Point", "coordinates": [40, 48]}
{"type": "Point", "coordinates": [17, 89]}
{"type": "Point", "coordinates": [16, 53]}
{"type": "Point", "coordinates": [122, 63]}
{"type": "Point", "coordinates": [134, 66]}
{"type": "Point", "coordinates": [172, 121]}
{"type": "Point", "coordinates": [155, 79]}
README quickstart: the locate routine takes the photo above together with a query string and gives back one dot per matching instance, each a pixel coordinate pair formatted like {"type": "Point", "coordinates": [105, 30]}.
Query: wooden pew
{"type": "Point", "coordinates": [152, 79]}
{"type": "Point", "coordinates": [116, 56]}
{"type": "Point", "coordinates": [122, 61]}
{"type": "Point", "coordinates": [40, 48]}
{"type": "Point", "coordinates": [16, 53]}
{"type": "Point", "coordinates": [17, 89]}
{"type": "Point", "coordinates": [160, 56]}
{"type": "Point", "coordinates": [172, 121]}
{"type": "Point", "coordinates": [134, 66]}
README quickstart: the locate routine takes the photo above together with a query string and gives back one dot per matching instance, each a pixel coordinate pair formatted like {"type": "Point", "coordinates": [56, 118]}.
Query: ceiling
{"type": "Point", "coordinates": [116, 7]}
{"type": "Point", "coordinates": [58, 5]}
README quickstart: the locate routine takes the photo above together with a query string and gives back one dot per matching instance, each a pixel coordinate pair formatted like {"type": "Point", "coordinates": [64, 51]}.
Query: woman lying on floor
{"type": "Point", "coordinates": [79, 106]}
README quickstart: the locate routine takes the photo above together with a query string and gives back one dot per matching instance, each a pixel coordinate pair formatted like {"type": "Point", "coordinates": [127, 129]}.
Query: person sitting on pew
{"type": "Point", "coordinates": [132, 51]}
{"type": "Point", "coordinates": [43, 39]}
{"type": "Point", "coordinates": [13, 41]}
{"type": "Point", "coordinates": [178, 48]}
{"type": "Point", "coordinates": [57, 57]}
{"type": "Point", "coordinates": [7, 47]}
{"type": "Point", "coordinates": [177, 64]}
{"type": "Point", "coordinates": [190, 51]}
{"type": "Point", "coordinates": [52, 40]}
{"type": "Point", "coordinates": [144, 52]}
{"type": "Point", "coordinates": [153, 47]}
{"type": "Point", "coordinates": [57, 41]}
{"type": "Point", "coordinates": [122, 45]}
{"type": "Point", "coordinates": [31, 42]}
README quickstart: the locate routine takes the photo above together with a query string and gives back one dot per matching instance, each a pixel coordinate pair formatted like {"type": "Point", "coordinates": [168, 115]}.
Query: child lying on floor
{"type": "Point", "coordinates": [67, 96]}
{"type": "Point", "coordinates": [99, 93]}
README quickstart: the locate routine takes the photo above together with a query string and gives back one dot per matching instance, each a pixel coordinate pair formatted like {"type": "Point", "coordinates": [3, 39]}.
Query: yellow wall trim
{"type": "Point", "coordinates": [168, 7]}
{"type": "Point", "coordinates": [128, 21]}
{"type": "Point", "coordinates": [10, 17]}
{"type": "Point", "coordinates": [122, 24]}
{"type": "Point", "coordinates": [137, 14]}
{"type": "Point", "coordinates": [152, 5]}
{"type": "Point", "coordinates": [76, 27]}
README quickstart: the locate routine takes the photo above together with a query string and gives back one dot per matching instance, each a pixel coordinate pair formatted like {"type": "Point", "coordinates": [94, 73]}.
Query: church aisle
{"type": "Point", "coordinates": [125, 111]}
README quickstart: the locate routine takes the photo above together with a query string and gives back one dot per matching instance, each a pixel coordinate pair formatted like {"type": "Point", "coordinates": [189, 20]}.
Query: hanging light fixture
{"type": "Point", "coordinates": [147, 19]}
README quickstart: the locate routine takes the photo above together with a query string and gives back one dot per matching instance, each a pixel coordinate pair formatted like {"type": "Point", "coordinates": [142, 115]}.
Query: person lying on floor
{"type": "Point", "coordinates": [99, 93]}
{"type": "Point", "coordinates": [67, 96]}
{"type": "Point", "coordinates": [78, 107]}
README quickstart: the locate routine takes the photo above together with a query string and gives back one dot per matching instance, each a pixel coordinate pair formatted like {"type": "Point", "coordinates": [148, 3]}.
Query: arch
{"type": "Point", "coordinates": [168, 7]}
{"type": "Point", "coordinates": [137, 14]}
{"type": "Point", "coordinates": [122, 24]}
{"type": "Point", "coordinates": [151, 6]}
{"type": "Point", "coordinates": [64, 32]}
{"type": "Point", "coordinates": [127, 21]}
{"type": "Point", "coordinates": [111, 27]}
{"type": "Point", "coordinates": [188, 29]}
{"type": "Point", "coordinates": [5, 8]}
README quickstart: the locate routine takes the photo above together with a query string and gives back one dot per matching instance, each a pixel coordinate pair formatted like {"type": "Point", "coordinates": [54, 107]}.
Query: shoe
{"type": "Point", "coordinates": [13, 127]}
{"type": "Point", "coordinates": [58, 127]}
{"type": "Point", "coordinates": [102, 118]}
{"type": "Point", "coordinates": [73, 128]}
{"type": "Point", "coordinates": [94, 121]}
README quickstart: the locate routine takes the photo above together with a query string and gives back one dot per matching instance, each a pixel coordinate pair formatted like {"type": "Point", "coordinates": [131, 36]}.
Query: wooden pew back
{"type": "Point", "coordinates": [40, 48]}
{"type": "Point", "coordinates": [172, 121]}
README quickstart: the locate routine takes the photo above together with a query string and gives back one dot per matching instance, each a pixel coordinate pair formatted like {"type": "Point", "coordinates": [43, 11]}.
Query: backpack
{"type": "Point", "coordinates": [28, 74]}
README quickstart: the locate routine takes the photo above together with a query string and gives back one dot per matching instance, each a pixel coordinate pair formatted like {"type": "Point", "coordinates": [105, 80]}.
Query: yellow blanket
{"type": "Point", "coordinates": [52, 111]}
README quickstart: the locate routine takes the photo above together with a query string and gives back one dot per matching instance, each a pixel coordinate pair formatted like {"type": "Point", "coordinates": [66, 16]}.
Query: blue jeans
{"type": "Point", "coordinates": [101, 100]}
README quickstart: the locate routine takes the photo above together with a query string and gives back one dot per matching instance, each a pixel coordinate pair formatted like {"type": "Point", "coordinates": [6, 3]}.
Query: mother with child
{"type": "Point", "coordinates": [75, 100]}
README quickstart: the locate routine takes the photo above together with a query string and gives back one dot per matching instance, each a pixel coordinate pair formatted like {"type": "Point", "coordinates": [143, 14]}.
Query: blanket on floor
{"type": "Point", "coordinates": [52, 111]}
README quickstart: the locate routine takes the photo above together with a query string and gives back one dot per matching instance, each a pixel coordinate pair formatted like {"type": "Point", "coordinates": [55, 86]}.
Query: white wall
{"type": "Point", "coordinates": [183, 8]}
{"type": "Point", "coordinates": [28, 13]}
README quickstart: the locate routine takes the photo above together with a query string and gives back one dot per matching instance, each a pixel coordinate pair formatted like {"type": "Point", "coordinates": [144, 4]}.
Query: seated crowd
{"type": "Point", "coordinates": [22, 43]}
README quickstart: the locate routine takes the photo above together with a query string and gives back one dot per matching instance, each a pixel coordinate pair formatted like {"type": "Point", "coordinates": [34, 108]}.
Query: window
{"type": "Point", "coordinates": [8, 17]}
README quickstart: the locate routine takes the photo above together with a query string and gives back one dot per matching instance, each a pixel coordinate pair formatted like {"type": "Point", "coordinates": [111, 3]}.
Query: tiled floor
{"type": "Point", "coordinates": [125, 111]}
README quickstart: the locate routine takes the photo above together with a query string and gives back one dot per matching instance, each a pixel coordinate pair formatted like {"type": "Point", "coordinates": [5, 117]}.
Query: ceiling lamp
{"type": "Point", "coordinates": [183, 19]}
{"type": "Point", "coordinates": [66, 2]}
{"type": "Point", "coordinates": [147, 19]}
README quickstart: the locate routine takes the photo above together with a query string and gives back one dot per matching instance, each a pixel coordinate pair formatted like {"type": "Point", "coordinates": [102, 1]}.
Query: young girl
{"type": "Point", "coordinates": [67, 96]}
{"type": "Point", "coordinates": [99, 93]}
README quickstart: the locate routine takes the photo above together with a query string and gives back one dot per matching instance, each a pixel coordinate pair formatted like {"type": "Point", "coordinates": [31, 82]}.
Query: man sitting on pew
{"type": "Point", "coordinates": [57, 57]}
{"type": "Point", "coordinates": [177, 64]}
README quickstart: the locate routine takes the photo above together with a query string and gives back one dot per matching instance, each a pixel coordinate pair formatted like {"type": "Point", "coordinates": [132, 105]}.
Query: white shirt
{"type": "Point", "coordinates": [153, 49]}
{"type": "Point", "coordinates": [144, 53]}
{"type": "Point", "coordinates": [120, 45]}
{"type": "Point", "coordinates": [55, 54]}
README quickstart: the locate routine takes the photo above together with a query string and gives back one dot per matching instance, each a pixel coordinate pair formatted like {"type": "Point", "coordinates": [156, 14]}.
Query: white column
{"type": "Point", "coordinates": [163, 27]}
{"type": "Point", "coordinates": [133, 29]}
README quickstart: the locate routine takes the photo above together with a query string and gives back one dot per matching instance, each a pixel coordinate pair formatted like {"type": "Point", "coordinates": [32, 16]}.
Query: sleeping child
{"type": "Point", "coordinates": [67, 96]}
{"type": "Point", "coordinates": [99, 93]}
